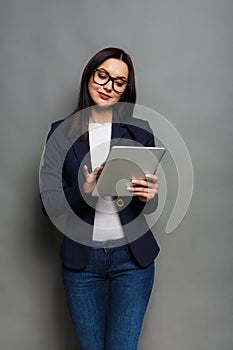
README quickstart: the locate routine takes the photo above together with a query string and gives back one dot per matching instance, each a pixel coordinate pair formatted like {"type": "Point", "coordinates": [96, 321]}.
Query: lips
{"type": "Point", "coordinates": [104, 96]}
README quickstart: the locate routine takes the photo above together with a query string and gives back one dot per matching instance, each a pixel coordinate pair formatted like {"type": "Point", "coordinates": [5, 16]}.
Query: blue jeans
{"type": "Point", "coordinates": [108, 299]}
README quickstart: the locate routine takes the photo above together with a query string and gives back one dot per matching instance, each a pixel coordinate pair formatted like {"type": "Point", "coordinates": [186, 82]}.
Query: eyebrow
{"type": "Point", "coordinates": [122, 77]}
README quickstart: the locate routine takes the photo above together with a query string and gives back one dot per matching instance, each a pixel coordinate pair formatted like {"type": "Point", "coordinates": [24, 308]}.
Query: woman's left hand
{"type": "Point", "coordinates": [144, 189]}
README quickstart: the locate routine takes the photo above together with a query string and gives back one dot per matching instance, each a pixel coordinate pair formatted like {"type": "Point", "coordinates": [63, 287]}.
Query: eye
{"type": "Point", "coordinates": [120, 82]}
{"type": "Point", "coordinates": [102, 75]}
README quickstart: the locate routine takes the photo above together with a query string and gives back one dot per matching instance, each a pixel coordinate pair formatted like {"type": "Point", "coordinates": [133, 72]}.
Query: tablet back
{"type": "Point", "coordinates": [123, 164]}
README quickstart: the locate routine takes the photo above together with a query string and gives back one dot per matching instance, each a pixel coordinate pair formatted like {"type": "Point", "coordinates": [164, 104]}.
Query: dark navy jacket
{"type": "Point", "coordinates": [144, 248]}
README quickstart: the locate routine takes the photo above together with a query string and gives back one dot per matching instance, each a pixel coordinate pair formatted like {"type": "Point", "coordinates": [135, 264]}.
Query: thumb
{"type": "Point", "coordinates": [96, 170]}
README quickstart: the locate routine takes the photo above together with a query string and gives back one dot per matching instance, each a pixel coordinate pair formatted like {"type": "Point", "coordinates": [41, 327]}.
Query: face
{"type": "Point", "coordinates": [105, 95]}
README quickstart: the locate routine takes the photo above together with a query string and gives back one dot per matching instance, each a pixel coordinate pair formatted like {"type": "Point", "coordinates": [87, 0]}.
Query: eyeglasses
{"type": "Point", "coordinates": [102, 77]}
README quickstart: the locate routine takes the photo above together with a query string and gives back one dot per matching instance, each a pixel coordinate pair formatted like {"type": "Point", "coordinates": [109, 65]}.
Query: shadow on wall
{"type": "Point", "coordinates": [46, 243]}
{"type": "Point", "coordinates": [38, 255]}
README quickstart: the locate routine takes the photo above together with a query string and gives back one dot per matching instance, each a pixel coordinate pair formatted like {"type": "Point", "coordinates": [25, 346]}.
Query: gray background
{"type": "Point", "coordinates": [182, 51]}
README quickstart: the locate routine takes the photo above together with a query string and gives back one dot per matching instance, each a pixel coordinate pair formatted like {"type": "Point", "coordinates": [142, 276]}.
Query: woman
{"type": "Point", "coordinates": [109, 281]}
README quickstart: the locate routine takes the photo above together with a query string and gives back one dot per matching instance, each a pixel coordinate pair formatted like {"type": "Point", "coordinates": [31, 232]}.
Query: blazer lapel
{"type": "Point", "coordinates": [82, 152]}
{"type": "Point", "coordinates": [118, 130]}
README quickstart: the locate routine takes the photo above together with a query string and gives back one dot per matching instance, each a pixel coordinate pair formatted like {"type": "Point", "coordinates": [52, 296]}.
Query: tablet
{"type": "Point", "coordinates": [124, 163]}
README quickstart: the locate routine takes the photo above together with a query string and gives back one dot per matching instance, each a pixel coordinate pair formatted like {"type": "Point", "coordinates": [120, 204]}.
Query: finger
{"type": "Point", "coordinates": [85, 171]}
{"type": "Point", "coordinates": [137, 191]}
{"type": "Point", "coordinates": [145, 195]}
{"type": "Point", "coordinates": [144, 183]}
{"type": "Point", "coordinates": [139, 182]}
{"type": "Point", "coordinates": [152, 177]}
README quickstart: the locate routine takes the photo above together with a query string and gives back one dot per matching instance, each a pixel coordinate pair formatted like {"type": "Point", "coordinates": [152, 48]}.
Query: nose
{"type": "Point", "coordinates": [108, 86]}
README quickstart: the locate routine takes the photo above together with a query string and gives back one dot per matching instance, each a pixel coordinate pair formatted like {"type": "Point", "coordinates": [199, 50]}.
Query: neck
{"type": "Point", "coordinates": [100, 115]}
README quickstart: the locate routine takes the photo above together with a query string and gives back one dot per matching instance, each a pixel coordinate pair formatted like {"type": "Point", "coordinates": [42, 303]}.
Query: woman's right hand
{"type": "Point", "coordinates": [91, 178]}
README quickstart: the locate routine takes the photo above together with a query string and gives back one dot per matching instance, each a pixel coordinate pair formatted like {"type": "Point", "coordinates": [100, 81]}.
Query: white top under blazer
{"type": "Point", "coordinates": [107, 225]}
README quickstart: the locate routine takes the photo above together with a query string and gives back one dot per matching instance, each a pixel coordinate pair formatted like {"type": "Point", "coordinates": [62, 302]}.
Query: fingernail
{"type": "Point", "coordinates": [147, 175]}
{"type": "Point", "coordinates": [133, 181]}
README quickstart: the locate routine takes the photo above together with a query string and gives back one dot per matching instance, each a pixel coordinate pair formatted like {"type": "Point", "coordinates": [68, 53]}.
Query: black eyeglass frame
{"type": "Point", "coordinates": [109, 78]}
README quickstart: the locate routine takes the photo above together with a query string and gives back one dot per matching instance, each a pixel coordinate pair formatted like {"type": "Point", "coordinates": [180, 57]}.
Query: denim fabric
{"type": "Point", "coordinates": [108, 299]}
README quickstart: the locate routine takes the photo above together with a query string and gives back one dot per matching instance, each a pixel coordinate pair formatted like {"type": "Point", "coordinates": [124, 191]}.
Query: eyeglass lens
{"type": "Point", "coordinates": [102, 77]}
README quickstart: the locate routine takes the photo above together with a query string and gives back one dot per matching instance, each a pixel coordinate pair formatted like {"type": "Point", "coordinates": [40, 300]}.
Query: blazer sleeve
{"type": "Point", "coordinates": [57, 195]}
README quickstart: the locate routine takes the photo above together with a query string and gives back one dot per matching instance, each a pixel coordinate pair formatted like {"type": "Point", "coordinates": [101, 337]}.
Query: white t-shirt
{"type": "Point", "coordinates": [107, 224]}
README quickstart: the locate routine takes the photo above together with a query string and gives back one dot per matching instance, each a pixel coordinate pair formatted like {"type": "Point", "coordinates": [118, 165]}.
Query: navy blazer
{"type": "Point", "coordinates": [144, 248]}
